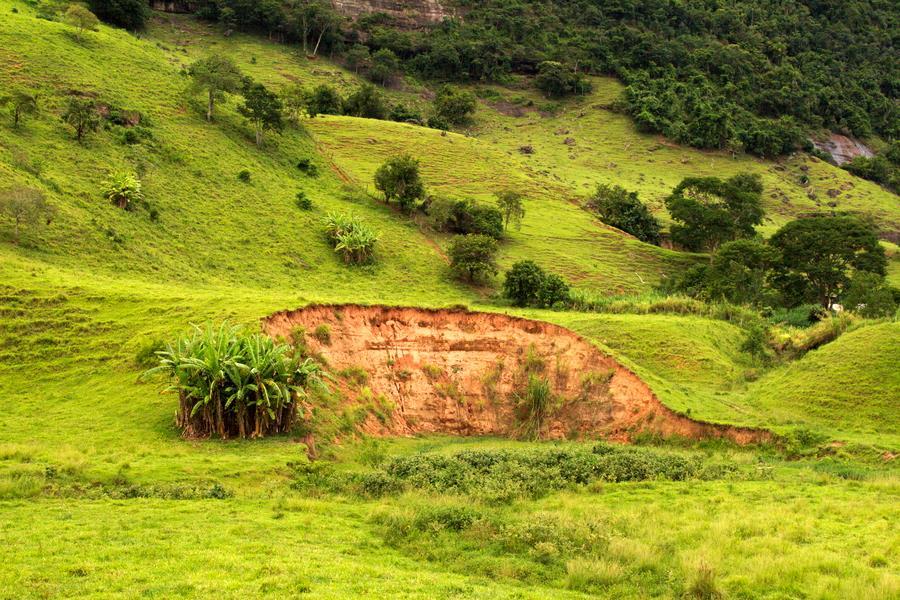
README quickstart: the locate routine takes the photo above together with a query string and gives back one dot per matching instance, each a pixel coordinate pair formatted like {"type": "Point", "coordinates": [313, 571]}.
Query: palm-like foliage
{"type": "Point", "coordinates": [232, 383]}
{"type": "Point", "coordinates": [352, 239]}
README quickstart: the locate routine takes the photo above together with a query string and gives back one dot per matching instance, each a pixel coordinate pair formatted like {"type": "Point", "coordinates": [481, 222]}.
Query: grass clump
{"type": "Point", "coordinates": [232, 383]}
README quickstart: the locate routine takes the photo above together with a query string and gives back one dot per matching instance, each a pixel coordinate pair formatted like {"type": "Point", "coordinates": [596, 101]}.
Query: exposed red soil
{"type": "Point", "coordinates": [459, 372]}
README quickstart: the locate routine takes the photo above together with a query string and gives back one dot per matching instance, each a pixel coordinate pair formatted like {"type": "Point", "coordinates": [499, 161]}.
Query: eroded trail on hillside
{"type": "Point", "coordinates": [466, 373]}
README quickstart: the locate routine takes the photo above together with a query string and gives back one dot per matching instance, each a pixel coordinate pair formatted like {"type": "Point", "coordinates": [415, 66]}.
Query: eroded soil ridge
{"type": "Point", "coordinates": [466, 373]}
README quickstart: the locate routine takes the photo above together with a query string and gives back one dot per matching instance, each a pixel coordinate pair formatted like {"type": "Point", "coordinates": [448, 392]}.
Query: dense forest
{"type": "Point", "coordinates": [756, 75]}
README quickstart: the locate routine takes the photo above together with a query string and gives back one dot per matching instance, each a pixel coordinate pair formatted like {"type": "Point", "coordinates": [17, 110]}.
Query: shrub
{"type": "Point", "coordinates": [554, 293]}
{"type": "Point", "coordinates": [869, 295]}
{"type": "Point", "coordinates": [365, 102]}
{"type": "Point", "coordinates": [244, 175]}
{"type": "Point", "coordinates": [527, 284]}
{"type": "Point", "coordinates": [523, 283]}
{"type": "Point", "coordinates": [233, 383]}
{"type": "Point", "coordinates": [622, 209]}
{"type": "Point", "coordinates": [130, 14]}
{"type": "Point", "coordinates": [303, 201]}
{"type": "Point", "coordinates": [403, 114]}
{"type": "Point", "coordinates": [464, 217]}
{"type": "Point", "coordinates": [308, 167]}
{"type": "Point", "coordinates": [351, 238]}
{"type": "Point", "coordinates": [473, 257]}
{"type": "Point", "coordinates": [323, 100]}
{"type": "Point", "coordinates": [123, 190]}
{"type": "Point", "coordinates": [454, 106]}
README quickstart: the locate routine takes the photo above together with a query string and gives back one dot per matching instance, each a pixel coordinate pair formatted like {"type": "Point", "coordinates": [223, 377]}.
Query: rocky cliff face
{"type": "Point", "coordinates": [174, 6]}
{"type": "Point", "coordinates": [408, 13]}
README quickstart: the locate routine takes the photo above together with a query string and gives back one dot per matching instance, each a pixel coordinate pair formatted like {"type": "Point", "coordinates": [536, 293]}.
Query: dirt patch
{"type": "Point", "coordinates": [461, 372]}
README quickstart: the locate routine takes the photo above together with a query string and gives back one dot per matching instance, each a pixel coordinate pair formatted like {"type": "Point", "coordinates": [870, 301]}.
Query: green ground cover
{"type": "Point", "coordinates": [100, 497]}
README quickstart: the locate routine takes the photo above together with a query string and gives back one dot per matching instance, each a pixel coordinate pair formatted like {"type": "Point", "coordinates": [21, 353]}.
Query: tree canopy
{"type": "Point", "coordinates": [819, 256]}
{"type": "Point", "coordinates": [216, 75]}
{"type": "Point", "coordinates": [398, 179]}
{"type": "Point", "coordinates": [709, 211]}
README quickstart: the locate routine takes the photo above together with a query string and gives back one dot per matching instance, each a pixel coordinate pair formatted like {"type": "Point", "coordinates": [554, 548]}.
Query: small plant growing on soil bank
{"type": "Point", "coordinates": [533, 406]}
{"type": "Point", "coordinates": [323, 333]}
{"type": "Point", "coordinates": [233, 383]}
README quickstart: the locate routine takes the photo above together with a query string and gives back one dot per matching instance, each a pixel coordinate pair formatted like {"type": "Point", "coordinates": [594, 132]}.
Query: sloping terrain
{"type": "Point", "coordinates": [101, 496]}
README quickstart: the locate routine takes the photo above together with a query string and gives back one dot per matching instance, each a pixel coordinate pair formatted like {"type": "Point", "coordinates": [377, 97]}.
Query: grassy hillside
{"type": "Point", "coordinates": [852, 382]}
{"type": "Point", "coordinates": [101, 497]}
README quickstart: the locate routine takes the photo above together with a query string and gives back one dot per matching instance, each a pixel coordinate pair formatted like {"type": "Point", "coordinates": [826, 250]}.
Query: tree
{"type": "Point", "coordinates": [510, 204]}
{"type": "Point", "coordinates": [709, 211]}
{"type": "Point", "coordinates": [357, 57]}
{"type": "Point", "coordinates": [262, 108]}
{"type": "Point", "coordinates": [323, 100]}
{"type": "Point", "coordinates": [24, 206]}
{"type": "Point", "coordinates": [818, 255]}
{"type": "Point", "coordinates": [365, 102]}
{"type": "Point", "coordinates": [523, 283]}
{"type": "Point", "coordinates": [130, 14]}
{"type": "Point", "coordinates": [21, 102]}
{"type": "Point", "coordinates": [620, 208]}
{"type": "Point", "coordinates": [293, 99]}
{"type": "Point", "coordinates": [473, 256]}
{"type": "Point", "coordinates": [869, 295]}
{"type": "Point", "coordinates": [81, 114]}
{"type": "Point", "coordinates": [314, 18]}
{"type": "Point", "coordinates": [81, 19]}
{"type": "Point", "coordinates": [556, 80]}
{"type": "Point", "coordinates": [398, 178]}
{"type": "Point", "coordinates": [385, 65]}
{"type": "Point", "coordinates": [216, 75]}
{"type": "Point", "coordinates": [738, 272]}
{"type": "Point", "coordinates": [454, 106]}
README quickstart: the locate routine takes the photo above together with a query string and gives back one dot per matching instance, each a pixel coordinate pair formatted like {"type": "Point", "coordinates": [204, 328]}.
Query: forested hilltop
{"type": "Point", "coordinates": [757, 75]}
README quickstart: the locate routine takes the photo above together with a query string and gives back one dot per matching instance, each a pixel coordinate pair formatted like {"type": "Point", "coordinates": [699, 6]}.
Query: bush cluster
{"type": "Point", "coordinates": [464, 217]}
{"type": "Point", "coordinates": [501, 476]}
{"type": "Point", "coordinates": [527, 284]}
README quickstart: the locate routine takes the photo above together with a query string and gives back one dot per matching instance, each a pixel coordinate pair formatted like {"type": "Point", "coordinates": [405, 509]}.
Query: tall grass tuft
{"type": "Point", "coordinates": [233, 383]}
{"type": "Point", "coordinates": [534, 405]}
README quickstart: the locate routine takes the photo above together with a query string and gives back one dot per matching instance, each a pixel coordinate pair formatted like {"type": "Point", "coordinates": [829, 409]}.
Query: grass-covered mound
{"type": "Point", "coordinates": [851, 385]}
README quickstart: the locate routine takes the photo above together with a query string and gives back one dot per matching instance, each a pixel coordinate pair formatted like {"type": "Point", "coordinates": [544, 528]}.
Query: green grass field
{"type": "Point", "coordinates": [100, 497]}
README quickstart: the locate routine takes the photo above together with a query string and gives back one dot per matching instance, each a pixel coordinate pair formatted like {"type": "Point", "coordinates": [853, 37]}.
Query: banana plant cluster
{"type": "Point", "coordinates": [351, 238]}
{"type": "Point", "coordinates": [232, 383]}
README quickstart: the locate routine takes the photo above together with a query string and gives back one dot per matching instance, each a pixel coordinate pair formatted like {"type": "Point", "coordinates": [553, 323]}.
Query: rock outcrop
{"type": "Point", "coordinates": [842, 149]}
{"type": "Point", "coordinates": [406, 13]}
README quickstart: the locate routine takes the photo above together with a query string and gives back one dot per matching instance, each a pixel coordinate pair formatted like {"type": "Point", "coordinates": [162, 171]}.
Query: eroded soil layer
{"type": "Point", "coordinates": [466, 373]}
